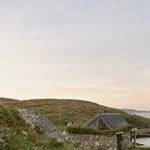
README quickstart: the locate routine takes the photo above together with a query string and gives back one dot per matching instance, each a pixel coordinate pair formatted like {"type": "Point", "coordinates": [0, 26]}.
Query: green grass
{"type": "Point", "coordinates": [74, 129]}
{"type": "Point", "coordinates": [59, 111]}
{"type": "Point", "coordinates": [124, 128]}
{"type": "Point", "coordinates": [15, 134]}
{"type": "Point", "coordinates": [78, 130]}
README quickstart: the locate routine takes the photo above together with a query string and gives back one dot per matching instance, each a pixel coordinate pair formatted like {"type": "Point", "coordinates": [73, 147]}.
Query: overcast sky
{"type": "Point", "coordinates": [96, 50]}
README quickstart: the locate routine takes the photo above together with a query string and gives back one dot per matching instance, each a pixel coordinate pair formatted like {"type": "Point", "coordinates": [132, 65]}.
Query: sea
{"type": "Point", "coordinates": [145, 141]}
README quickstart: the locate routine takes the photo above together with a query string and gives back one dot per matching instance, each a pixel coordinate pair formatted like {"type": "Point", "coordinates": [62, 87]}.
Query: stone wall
{"type": "Point", "coordinates": [95, 142]}
{"type": "Point", "coordinates": [36, 120]}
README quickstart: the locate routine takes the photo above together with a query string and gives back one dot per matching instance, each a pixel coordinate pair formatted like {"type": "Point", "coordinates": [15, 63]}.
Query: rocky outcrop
{"type": "Point", "coordinates": [143, 133]}
{"type": "Point", "coordinates": [38, 121]}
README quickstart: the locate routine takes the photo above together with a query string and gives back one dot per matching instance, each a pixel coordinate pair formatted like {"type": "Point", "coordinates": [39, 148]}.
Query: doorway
{"type": "Point", "coordinates": [119, 141]}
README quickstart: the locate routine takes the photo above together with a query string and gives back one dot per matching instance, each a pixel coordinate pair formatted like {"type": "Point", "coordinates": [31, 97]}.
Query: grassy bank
{"type": "Point", "coordinates": [15, 134]}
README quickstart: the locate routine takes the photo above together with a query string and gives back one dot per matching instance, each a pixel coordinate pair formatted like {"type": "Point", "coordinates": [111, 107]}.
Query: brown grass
{"type": "Point", "coordinates": [63, 110]}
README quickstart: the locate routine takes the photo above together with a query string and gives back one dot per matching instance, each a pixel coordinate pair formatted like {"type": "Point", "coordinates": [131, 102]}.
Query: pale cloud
{"type": "Point", "coordinates": [93, 50]}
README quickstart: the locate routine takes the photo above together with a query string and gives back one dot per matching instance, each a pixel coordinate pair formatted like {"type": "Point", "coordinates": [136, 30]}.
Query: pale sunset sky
{"type": "Point", "coordinates": [95, 50]}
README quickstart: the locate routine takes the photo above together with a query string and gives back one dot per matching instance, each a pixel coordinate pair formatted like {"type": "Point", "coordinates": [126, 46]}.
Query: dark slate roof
{"type": "Point", "coordinates": [113, 119]}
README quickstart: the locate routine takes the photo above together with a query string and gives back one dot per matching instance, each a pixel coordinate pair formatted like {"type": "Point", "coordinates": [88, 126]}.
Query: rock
{"type": "Point", "coordinates": [88, 148]}
{"type": "Point", "coordinates": [64, 132]}
{"type": "Point", "coordinates": [96, 143]}
{"type": "Point", "coordinates": [86, 143]}
{"type": "Point", "coordinates": [24, 133]}
{"type": "Point", "coordinates": [2, 141]}
{"type": "Point", "coordinates": [43, 124]}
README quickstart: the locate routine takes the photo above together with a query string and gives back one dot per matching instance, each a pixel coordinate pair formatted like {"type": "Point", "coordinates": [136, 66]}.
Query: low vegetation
{"type": "Point", "coordinates": [84, 130]}
{"type": "Point", "coordinates": [79, 130]}
{"type": "Point", "coordinates": [15, 134]}
{"type": "Point", "coordinates": [60, 111]}
{"type": "Point", "coordinates": [124, 128]}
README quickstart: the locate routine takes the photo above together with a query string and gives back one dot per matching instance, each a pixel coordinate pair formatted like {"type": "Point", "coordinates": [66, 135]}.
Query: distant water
{"type": "Point", "coordinates": [146, 115]}
{"type": "Point", "coordinates": [145, 141]}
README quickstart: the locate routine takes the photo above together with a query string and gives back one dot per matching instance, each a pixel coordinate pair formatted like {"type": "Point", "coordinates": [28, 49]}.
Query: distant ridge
{"type": "Point", "coordinates": [8, 100]}
{"type": "Point", "coordinates": [132, 111]}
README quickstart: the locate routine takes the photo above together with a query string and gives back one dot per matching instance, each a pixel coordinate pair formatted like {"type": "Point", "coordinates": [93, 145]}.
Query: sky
{"type": "Point", "coordinates": [76, 49]}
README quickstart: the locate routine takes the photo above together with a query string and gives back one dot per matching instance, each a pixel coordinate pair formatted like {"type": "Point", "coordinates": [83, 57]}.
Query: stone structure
{"type": "Point", "coordinates": [36, 120]}
{"type": "Point", "coordinates": [106, 121]}
{"type": "Point", "coordinates": [95, 142]}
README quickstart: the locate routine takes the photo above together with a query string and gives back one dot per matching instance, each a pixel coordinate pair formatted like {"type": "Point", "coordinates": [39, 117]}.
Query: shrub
{"type": "Point", "coordinates": [79, 130]}
{"type": "Point", "coordinates": [124, 128]}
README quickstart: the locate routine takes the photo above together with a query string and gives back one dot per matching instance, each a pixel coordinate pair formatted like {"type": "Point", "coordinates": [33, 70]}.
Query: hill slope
{"type": "Point", "coordinates": [16, 134]}
{"type": "Point", "coordinates": [9, 100]}
{"type": "Point", "coordinates": [60, 111]}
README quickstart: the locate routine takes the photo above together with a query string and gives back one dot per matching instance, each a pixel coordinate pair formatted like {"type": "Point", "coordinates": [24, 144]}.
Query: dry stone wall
{"type": "Point", "coordinates": [95, 142]}
{"type": "Point", "coordinates": [36, 120]}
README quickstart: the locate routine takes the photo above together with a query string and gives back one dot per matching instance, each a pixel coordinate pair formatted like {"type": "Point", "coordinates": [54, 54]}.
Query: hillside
{"type": "Point", "coordinates": [16, 134]}
{"type": "Point", "coordinates": [60, 111]}
{"type": "Point", "coordinates": [10, 100]}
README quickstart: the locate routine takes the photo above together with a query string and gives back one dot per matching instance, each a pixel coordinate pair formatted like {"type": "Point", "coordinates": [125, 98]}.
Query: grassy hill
{"type": "Point", "coordinates": [10, 100]}
{"type": "Point", "coordinates": [15, 134]}
{"type": "Point", "coordinates": [60, 111]}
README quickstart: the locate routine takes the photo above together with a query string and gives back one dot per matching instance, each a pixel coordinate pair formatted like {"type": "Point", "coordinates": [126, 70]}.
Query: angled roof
{"type": "Point", "coordinates": [111, 120]}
